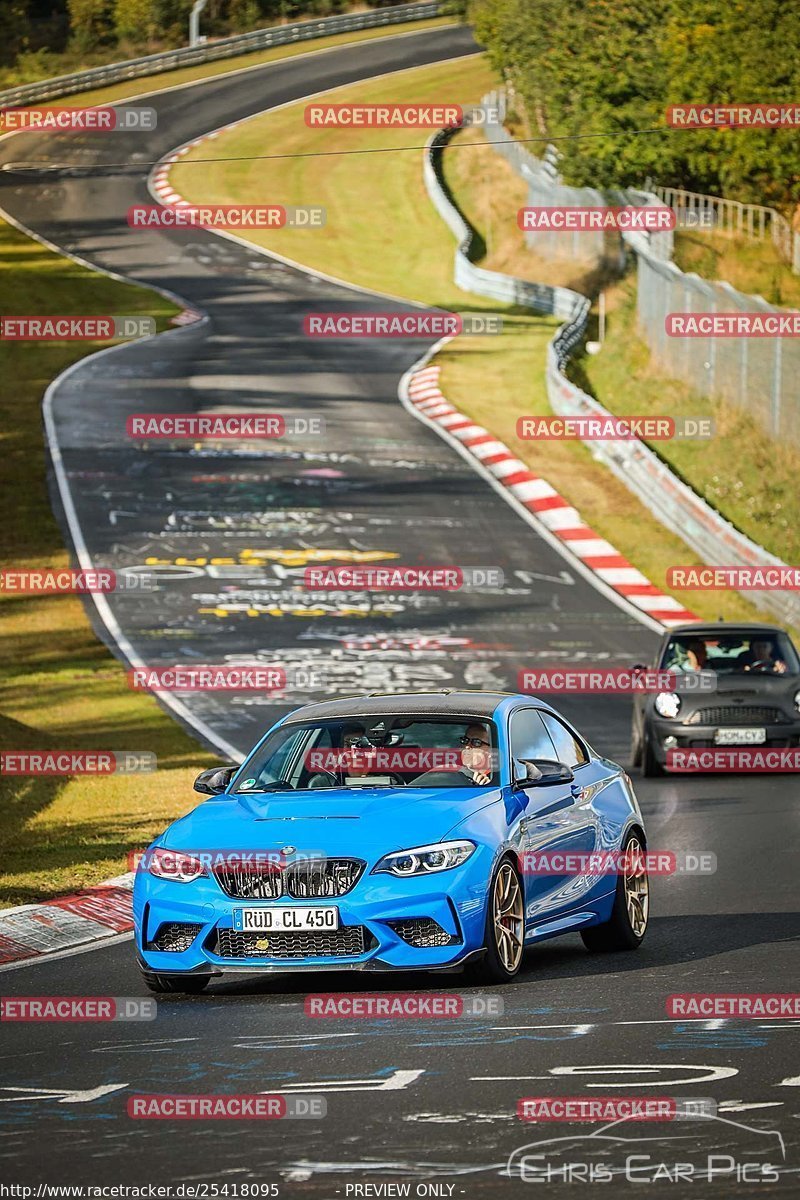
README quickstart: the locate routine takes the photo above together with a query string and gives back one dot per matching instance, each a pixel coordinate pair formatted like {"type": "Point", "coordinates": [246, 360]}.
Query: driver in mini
{"type": "Point", "coordinates": [760, 658]}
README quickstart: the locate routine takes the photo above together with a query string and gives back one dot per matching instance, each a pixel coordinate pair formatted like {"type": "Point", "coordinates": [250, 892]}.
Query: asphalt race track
{"type": "Point", "coordinates": [427, 1102]}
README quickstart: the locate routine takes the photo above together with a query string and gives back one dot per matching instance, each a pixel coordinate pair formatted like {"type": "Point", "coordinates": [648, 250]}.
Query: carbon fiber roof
{"type": "Point", "coordinates": [429, 704]}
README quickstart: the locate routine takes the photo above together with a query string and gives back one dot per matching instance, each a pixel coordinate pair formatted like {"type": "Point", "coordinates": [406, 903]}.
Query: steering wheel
{"type": "Point", "coordinates": [760, 664]}
{"type": "Point", "coordinates": [328, 774]}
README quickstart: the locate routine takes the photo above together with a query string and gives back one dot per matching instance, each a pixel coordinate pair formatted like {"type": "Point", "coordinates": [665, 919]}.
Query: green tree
{"type": "Point", "coordinates": [89, 23]}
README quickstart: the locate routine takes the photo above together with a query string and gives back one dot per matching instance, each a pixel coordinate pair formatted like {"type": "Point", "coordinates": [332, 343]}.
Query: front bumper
{"type": "Point", "coordinates": [665, 735]}
{"type": "Point", "coordinates": [456, 900]}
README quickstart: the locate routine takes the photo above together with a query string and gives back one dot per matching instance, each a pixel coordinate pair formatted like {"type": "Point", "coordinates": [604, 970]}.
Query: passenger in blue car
{"type": "Point", "coordinates": [476, 762]}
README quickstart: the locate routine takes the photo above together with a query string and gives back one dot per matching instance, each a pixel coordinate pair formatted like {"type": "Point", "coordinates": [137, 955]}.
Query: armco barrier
{"type": "Point", "coordinates": [675, 505]}
{"type": "Point", "coordinates": [244, 43]}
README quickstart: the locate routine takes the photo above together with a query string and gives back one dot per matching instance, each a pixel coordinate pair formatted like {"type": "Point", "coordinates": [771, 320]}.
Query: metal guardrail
{"type": "Point", "coordinates": [754, 221]}
{"type": "Point", "coordinates": [557, 301]}
{"type": "Point", "coordinates": [244, 43]}
{"type": "Point", "coordinates": [671, 501]}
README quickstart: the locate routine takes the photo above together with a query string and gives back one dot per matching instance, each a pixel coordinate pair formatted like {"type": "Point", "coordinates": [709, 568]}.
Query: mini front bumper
{"type": "Point", "coordinates": [455, 900]}
{"type": "Point", "coordinates": [667, 734]}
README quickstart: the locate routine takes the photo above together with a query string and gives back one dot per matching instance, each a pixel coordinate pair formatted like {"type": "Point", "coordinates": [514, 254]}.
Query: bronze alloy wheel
{"type": "Point", "coordinates": [508, 917]}
{"type": "Point", "coordinates": [637, 888]}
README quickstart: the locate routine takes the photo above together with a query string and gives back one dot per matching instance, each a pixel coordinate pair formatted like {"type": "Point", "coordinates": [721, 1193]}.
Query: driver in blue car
{"type": "Point", "coordinates": [476, 762]}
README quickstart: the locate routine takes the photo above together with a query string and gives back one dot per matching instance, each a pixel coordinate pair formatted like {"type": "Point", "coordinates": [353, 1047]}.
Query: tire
{"type": "Point", "coordinates": [503, 957]}
{"type": "Point", "coordinates": [619, 933]}
{"type": "Point", "coordinates": [651, 767]}
{"type": "Point", "coordinates": [636, 746]}
{"type": "Point", "coordinates": [191, 985]}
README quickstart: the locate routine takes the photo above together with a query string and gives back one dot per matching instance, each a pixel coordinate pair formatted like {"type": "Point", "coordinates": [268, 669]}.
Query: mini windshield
{"type": "Point", "coordinates": [768, 652]}
{"type": "Point", "coordinates": [384, 751]}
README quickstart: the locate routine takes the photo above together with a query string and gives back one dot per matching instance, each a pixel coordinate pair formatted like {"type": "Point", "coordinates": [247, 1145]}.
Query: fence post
{"type": "Point", "coordinates": [776, 387]}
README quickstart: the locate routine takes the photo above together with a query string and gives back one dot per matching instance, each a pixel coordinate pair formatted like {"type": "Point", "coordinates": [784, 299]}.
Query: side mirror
{"type": "Point", "coordinates": [540, 772]}
{"type": "Point", "coordinates": [215, 780]}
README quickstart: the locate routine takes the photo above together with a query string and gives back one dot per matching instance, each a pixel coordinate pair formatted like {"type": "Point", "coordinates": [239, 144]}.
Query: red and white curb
{"type": "Point", "coordinates": [545, 503]}
{"type": "Point", "coordinates": [160, 186]}
{"type": "Point", "coordinates": [99, 912]}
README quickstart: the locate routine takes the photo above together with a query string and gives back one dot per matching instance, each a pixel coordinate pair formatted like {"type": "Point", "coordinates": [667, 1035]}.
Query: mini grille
{"type": "Point", "coordinates": [175, 937]}
{"type": "Point", "coordinates": [421, 932]}
{"type": "Point", "coordinates": [348, 941]}
{"type": "Point", "coordinates": [739, 714]}
{"type": "Point", "coordinates": [320, 878]}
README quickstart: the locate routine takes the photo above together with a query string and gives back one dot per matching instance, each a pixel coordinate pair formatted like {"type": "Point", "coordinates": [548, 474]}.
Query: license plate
{"type": "Point", "coordinates": [740, 737]}
{"type": "Point", "coordinates": [284, 919]}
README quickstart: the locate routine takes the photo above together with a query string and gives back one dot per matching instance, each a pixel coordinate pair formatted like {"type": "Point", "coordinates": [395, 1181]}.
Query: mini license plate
{"type": "Point", "coordinates": [740, 737]}
{"type": "Point", "coordinates": [285, 918]}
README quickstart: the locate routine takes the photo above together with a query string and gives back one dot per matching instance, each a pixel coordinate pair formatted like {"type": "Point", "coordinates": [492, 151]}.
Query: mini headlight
{"type": "Point", "coordinates": [425, 860]}
{"type": "Point", "coordinates": [668, 704]}
{"type": "Point", "coordinates": [797, 701]}
{"type": "Point", "coordinates": [173, 864]}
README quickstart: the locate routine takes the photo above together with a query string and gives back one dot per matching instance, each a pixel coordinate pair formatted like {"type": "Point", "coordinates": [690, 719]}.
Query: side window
{"type": "Point", "coordinates": [529, 738]}
{"type": "Point", "coordinates": [568, 748]}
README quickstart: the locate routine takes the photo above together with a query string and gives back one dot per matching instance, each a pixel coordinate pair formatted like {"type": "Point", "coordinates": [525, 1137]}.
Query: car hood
{"type": "Point", "coordinates": [342, 821]}
{"type": "Point", "coordinates": [749, 687]}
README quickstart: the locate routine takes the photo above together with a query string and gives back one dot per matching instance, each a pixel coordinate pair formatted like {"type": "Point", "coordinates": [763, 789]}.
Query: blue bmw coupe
{"type": "Point", "coordinates": [395, 833]}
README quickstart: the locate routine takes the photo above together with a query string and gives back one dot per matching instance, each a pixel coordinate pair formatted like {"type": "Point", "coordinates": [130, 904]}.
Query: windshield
{"type": "Point", "coordinates": [767, 652]}
{"type": "Point", "coordinates": [384, 751]}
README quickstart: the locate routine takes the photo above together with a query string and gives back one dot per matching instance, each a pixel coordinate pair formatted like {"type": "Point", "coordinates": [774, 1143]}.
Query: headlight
{"type": "Point", "coordinates": [667, 704]}
{"type": "Point", "coordinates": [174, 865]}
{"type": "Point", "coordinates": [797, 701]}
{"type": "Point", "coordinates": [425, 860]}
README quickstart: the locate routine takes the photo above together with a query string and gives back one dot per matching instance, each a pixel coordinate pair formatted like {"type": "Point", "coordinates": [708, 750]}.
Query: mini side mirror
{"type": "Point", "coordinates": [215, 780]}
{"type": "Point", "coordinates": [540, 772]}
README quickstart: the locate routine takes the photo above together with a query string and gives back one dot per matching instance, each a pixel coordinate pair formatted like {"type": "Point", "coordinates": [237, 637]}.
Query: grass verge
{"type": "Point", "coordinates": [752, 267]}
{"type": "Point", "coordinates": [372, 239]}
{"type": "Point", "coordinates": [60, 833]}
